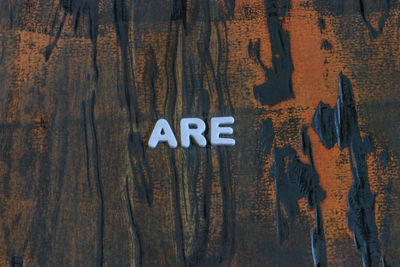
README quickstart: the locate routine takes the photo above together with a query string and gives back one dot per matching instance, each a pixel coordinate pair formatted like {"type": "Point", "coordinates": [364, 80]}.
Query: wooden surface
{"type": "Point", "coordinates": [82, 83]}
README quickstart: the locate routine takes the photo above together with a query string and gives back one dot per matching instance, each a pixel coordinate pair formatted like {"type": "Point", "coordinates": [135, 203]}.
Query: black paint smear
{"type": "Point", "coordinates": [16, 261]}
{"type": "Point", "coordinates": [135, 230]}
{"type": "Point", "coordinates": [254, 52]}
{"type": "Point", "coordinates": [279, 84]}
{"type": "Point", "coordinates": [321, 24]}
{"type": "Point", "coordinates": [346, 121]}
{"type": "Point", "coordinates": [360, 200]}
{"type": "Point", "coordinates": [267, 135]}
{"type": "Point", "coordinates": [179, 11]}
{"type": "Point", "coordinates": [318, 245]}
{"type": "Point", "coordinates": [78, 9]}
{"type": "Point", "coordinates": [326, 45]}
{"type": "Point", "coordinates": [294, 180]}
{"type": "Point", "coordinates": [324, 117]}
{"type": "Point", "coordinates": [318, 236]}
{"type": "Point", "coordinates": [99, 186]}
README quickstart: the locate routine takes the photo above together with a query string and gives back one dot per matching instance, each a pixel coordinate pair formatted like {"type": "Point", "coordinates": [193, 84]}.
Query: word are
{"type": "Point", "coordinates": [193, 127]}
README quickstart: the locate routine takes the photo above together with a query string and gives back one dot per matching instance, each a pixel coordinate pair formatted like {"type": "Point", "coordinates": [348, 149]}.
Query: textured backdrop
{"type": "Point", "coordinates": [312, 180]}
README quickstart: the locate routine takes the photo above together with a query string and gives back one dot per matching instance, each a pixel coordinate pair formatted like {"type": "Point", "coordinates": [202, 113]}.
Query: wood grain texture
{"type": "Point", "coordinates": [314, 89]}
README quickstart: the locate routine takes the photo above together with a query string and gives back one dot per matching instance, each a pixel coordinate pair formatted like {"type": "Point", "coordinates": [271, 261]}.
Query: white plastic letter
{"type": "Point", "coordinates": [162, 132]}
{"type": "Point", "coordinates": [216, 131]}
{"type": "Point", "coordinates": [196, 133]}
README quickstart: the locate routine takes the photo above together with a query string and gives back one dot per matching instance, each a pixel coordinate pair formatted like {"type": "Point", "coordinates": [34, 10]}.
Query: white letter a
{"type": "Point", "coordinates": [162, 132]}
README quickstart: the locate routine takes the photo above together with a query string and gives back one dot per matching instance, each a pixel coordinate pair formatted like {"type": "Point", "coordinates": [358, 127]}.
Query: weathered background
{"type": "Point", "coordinates": [82, 83]}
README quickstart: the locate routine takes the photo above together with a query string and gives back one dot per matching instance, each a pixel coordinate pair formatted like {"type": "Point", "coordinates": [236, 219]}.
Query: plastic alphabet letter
{"type": "Point", "coordinates": [217, 130]}
{"type": "Point", "coordinates": [162, 132]}
{"type": "Point", "coordinates": [196, 133]}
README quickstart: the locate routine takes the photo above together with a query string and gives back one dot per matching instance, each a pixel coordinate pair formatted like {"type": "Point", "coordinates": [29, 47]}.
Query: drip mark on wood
{"type": "Point", "coordinates": [99, 186]}
{"type": "Point", "coordinates": [134, 227]}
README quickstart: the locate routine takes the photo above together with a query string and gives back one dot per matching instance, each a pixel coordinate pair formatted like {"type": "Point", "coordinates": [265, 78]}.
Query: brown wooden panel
{"type": "Point", "coordinates": [83, 82]}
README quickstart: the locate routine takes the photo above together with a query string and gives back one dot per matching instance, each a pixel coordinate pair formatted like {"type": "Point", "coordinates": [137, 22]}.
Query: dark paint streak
{"type": "Point", "coordinates": [384, 262]}
{"type": "Point", "coordinates": [6, 145]}
{"type": "Point", "coordinates": [278, 87]}
{"type": "Point", "coordinates": [323, 116]}
{"type": "Point", "coordinates": [267, 135]}
{"type": "Point", "coordinates": [366, 22]}
{"type": "Point", "coordinates": [360, 200]}
{"type": "Point", "coordinates": [138, 162]}
{"type": "Point", "coordinates": [52, 45]}
{"type": "Point", "coordinates": [3, 50]}
{"type": "Point", "coordinates": [318, 244]}
{"type": "Point", "coordinates": [134, 227]}
{"type": "Point", "coordinates": [385, 15]}
{"type": "Point", "coordinates": [178, 12]}
{"type": "Point", "coordinates": [254, 52]}
{"type": "Point", "coordinates": [326, 45]}
{"type": "Point", "coordinates": [99, 186]}
{"type": "Point", "coordinates": [85, 134]}
{"type": "Point", "coordinates": [76, 9]}
{"type": "Point", "coordinates": [16, 261]}
{"type": "Point", "coordinates": [321, 24]}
